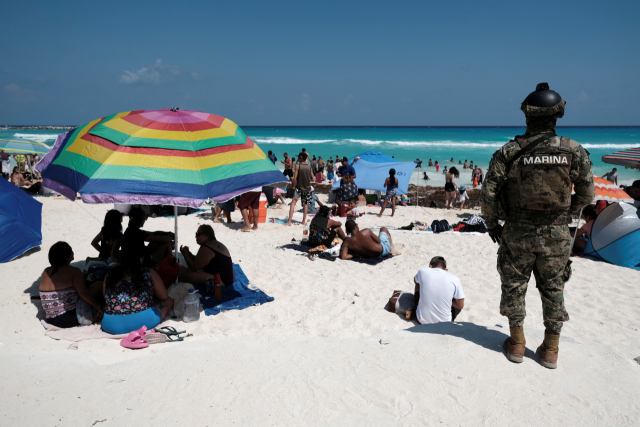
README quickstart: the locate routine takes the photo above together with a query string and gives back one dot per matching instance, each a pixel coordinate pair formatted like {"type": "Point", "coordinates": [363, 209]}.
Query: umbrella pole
{"type": "Point", "coordinates": [175, 236]}
{"type": "Point", "coordinates": [573, 239]}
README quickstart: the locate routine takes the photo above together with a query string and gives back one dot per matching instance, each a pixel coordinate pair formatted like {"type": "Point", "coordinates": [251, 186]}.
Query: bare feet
{"type": "Point", "coordinates": [246, 228]}
{"type": "Point", "coordinates": [287, 224]}
{"type": "Point", "coordinates": [255, 227]}
{"type": "Point", "coordinates": [216, 220]}
{"type": "Point", "coordinates": [379, 215]}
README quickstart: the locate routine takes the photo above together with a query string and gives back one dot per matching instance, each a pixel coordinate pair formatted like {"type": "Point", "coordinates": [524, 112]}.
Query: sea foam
{"type": "Point", "coordinates": [40, 137]}
{"type": "Point", "coordinates": [286, 140]}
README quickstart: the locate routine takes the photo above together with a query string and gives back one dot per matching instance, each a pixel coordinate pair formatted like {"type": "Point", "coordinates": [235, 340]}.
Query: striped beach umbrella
{"type": "Point", "coordinates": [169, 157]}
{"type": "Point", "coordinates": [607, 190]}
{"type": "Point", "coordinates": [23, 146]}
{"type": "Point", "coordinates": [630, 158]}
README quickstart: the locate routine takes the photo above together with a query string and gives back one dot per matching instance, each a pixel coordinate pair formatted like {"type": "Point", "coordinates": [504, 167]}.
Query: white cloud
{"type": "Point", "coordinates": [347, 101]}
{"type": "Point", "coordinates": [12, 89]}
{"type": "Point", "coordinates": [304, 102]}
{"type": "Point", "coordinates": [20, 94]}
{"type": "Point", "coordinates": [156, 74]}
{"type": "Point", "coordinates": [583, 97]}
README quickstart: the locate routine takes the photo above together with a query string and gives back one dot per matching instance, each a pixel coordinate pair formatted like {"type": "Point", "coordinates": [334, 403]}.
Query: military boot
{"type": "Point", "coordinates": [515, 345]}
{"type": "Point", "coordinates": [549, 351]}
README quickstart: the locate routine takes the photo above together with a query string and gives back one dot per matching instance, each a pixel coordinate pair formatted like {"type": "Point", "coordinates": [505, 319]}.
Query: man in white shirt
{"type": "Point", "coordinates": [612, 176]}
{"type": "Point", "coordinates": [438, 295]}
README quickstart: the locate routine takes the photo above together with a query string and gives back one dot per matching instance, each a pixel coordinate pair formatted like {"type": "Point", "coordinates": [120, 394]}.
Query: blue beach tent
{"type": "Point", "coordinates": [615, 236]}
{"type": "Point", "coordinates": [371, 176]}
{"type": "Point", "coordinates": [374, 157]}
{"type": "Point", "coordinates": [20, 221]}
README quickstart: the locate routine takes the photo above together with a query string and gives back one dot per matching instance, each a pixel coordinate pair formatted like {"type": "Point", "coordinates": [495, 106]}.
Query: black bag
{"type": "Point", "coordinates": [440, 226]}
{"type": "Point", "coordinates": [433, 204]}
{"type": "Point", "coordinates": [290, 192]}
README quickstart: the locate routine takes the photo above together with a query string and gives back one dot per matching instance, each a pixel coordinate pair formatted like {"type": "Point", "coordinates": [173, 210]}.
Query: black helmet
{"type": "Point", "coordinates": [543, 102]}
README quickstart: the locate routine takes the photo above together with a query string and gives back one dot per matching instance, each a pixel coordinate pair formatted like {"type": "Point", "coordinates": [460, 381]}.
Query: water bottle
{"type": "Point", "coordinates": [191, 304]}
{"type": "Point", "coordinates": [305, 232]}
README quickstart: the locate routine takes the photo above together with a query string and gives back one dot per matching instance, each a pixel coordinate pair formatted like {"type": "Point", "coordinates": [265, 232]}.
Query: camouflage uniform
{"type": "Point", "coordinates": [533, 194]}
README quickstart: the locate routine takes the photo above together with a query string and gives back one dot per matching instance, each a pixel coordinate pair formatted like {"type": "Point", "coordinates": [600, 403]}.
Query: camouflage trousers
{"type": "Point", "coordinates": [544, 250]}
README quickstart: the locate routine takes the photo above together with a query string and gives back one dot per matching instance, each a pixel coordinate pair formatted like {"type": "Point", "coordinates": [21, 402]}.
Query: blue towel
{"type": "Point", "coordinates": [235, 297]}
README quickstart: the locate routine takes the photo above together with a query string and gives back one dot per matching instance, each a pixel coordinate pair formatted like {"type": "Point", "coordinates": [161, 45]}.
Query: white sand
{"type": "Point", "coordinates": [313, 356]}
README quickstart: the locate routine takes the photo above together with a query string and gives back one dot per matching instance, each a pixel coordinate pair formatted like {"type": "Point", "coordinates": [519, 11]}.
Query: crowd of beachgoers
{"type": "Point", "coordinates": [131, 291]}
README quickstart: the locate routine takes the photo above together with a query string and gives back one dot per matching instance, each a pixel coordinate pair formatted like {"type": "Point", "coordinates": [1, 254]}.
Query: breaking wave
{"type": "Point", "coordinates": [286, 140]}
{"type": "Point", "coordinates": [40, 137]}
{"type": "Point", "coordinates": [438, 143]}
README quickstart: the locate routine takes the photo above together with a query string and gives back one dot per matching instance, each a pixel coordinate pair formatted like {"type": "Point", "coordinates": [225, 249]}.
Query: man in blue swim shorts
{"type": "Point", "coordinates": [365, 243]}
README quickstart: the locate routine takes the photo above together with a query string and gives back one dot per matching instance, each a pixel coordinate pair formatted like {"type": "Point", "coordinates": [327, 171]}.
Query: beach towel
{"type": "Point", "coordinates": [238, 296]}
{"type": "Point", "coordinates": [82, 333]}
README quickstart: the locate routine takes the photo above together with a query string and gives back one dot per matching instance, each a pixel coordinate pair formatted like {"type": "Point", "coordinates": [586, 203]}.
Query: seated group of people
{"type": "Point", "coordinates": [132, 293]}
{"type": "Point", "coordinates": [25, 181]}
{"type": "Point", "coordinates": [356, 243]}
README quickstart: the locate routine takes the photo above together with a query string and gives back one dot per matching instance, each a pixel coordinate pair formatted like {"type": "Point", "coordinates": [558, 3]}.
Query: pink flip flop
{"type": "Point", "coordinates": [135, 340]}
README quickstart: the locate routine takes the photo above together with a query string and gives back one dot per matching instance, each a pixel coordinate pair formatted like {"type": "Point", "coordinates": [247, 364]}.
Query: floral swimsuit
{"type": "Point", "coordinates": [125, 299]}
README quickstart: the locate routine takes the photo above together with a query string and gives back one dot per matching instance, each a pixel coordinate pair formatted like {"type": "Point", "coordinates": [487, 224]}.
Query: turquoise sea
{"type": "Point", "coordinates": [408, 143]}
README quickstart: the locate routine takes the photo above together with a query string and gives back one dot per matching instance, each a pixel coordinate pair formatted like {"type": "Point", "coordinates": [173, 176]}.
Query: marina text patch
{"type": "Point", "coordinates": [546, 160]}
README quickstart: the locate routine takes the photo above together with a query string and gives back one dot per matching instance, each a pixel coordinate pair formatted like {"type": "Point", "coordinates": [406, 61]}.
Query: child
{"type": "Point", "coordinates": [353, 211]}
{"type": "Point", "coordinates": [463, 195]}
{"type": "Point", "coordinates": [444, 171]}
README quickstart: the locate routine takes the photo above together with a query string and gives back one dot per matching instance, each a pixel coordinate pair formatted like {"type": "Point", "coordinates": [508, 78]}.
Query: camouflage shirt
{"type": "Point", "coordinates": [535, 187]}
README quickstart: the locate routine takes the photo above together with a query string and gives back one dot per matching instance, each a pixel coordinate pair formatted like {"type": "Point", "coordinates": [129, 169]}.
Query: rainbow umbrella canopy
{"type": "Point", "coordinates": [23, 146]}
{"type": "Point", "coordinates": [169, 156]}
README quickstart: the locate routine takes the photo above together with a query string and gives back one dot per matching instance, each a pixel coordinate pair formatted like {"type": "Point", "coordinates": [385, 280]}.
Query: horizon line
{"type": "Point", "coordinates": [52, 127]}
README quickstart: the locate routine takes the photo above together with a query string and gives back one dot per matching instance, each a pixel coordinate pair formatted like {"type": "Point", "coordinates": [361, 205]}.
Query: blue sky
{"type": "Point", "coordinates": [320, 63]}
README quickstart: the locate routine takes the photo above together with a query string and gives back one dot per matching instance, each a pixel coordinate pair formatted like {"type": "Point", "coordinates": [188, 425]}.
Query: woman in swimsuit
{"type": "Point", "coordinates": [212, 258]}
{"type": "Point", "coordinates": [392, 184]}
{"type": "Point", "coordinates": [62, 289]}
{"type": "Point", "coordinates": [135, 295]}
{"type": "Point", "coordinates": [450, 186]}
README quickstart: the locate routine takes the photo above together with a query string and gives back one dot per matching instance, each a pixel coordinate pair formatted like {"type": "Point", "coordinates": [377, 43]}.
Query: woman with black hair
{"type": "Point", "coordinates": [323, 230]}
{"type": "Point", "coordinates": [107, 242]}
{"type": "Point", "coordinates": [134, 296]}
{"type": "Point", "coordinates": [392, 184]}
{"type": "Point", "coordinates": [450, 186]}
{"type": "Point", "coordinates": [62, 289]}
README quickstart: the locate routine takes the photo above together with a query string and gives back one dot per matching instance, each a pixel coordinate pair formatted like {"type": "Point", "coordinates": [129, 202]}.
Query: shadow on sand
{"type": "Point", "coordinates": [479, 335]}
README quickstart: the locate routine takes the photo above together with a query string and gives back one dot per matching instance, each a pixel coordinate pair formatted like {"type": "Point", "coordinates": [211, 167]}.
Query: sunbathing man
{"type": "Point", "coordinates": [365, 244]}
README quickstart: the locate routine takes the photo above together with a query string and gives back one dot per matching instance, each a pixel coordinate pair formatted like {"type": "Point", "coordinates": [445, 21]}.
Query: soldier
{"type": "Point", "coordinates": [528, 185]}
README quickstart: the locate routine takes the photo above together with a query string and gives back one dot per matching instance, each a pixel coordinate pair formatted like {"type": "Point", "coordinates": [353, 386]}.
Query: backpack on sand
{"type": "Point", "coordinates": [440, 226]}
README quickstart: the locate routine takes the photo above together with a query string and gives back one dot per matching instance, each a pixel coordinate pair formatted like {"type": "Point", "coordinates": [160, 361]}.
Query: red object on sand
{"type": "Point", "coordinates": [343, 207]}
{"type": "Point", "coordinates": [168, 270]}
{"type": "Point", "coordinates": [262, 210]}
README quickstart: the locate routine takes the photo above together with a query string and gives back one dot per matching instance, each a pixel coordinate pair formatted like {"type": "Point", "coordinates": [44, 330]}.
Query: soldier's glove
{"type": "Point", "coordinates": [496, 234]}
